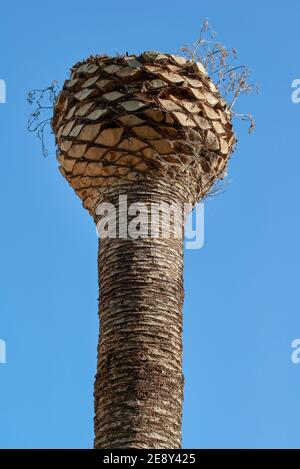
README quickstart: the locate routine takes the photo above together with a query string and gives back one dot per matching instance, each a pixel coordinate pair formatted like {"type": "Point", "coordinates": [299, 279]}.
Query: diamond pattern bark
{"type": "Point", "coordinates": [152, 128]}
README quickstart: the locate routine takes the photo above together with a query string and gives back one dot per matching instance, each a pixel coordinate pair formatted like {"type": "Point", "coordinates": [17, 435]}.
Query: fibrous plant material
{"type": "Point", "coordinates": [155, 129]}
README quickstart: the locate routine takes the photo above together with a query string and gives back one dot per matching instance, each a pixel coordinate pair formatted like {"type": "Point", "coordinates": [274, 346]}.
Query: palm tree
{"type": "Point", "coordinates": [155, 129]}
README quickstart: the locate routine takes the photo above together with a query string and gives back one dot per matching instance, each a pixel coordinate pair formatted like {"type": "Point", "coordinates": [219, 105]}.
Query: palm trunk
{"type": "Point", "coordinates": [139, 381]}
{"type": "Point", "coordinates": [155, 128]}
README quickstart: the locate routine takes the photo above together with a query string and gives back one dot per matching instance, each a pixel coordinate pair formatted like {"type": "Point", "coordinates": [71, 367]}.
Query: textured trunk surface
{"type": "Point", "coordinates": [139, 381]}
{"type": "Point", "coordinates": [153, 127]}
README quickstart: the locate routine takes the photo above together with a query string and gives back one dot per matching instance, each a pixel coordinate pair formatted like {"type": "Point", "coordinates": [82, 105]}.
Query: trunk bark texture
{"type": "Point", "coordinates": [139, 381]}
{"type": "Point", "coordinates": [155, 128]}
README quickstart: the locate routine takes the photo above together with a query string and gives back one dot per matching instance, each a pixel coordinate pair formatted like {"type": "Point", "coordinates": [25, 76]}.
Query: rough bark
{"type": "Point", "coordinates": [153, 127]}
{"type": "Point", "coordinates": [139, 381]}
{"type": "Point", "coordinates": [121, 119]}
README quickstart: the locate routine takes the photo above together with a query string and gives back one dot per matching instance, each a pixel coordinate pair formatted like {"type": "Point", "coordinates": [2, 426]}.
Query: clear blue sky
{"type": "Point", "coordinates": [242, 289]}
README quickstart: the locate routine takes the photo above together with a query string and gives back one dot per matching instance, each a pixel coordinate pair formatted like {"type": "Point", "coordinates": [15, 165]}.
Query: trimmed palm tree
{"type": "Point", "coordinates": [155, 129]}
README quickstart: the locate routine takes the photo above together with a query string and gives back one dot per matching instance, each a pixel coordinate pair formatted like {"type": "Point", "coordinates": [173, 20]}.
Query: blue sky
{"type": "Point", "coordinates": [242, 288]}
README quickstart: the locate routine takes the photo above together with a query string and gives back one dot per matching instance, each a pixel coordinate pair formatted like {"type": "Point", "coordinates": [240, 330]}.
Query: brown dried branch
{"type": "Point", "coordinates": [40, 118]}
{"type": "Point", "coordinates": [232, 81]}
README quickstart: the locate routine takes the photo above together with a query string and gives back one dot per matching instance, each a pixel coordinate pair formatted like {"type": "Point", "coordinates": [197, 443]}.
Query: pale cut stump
{"type": "Point", "coordinates": [154, 128]}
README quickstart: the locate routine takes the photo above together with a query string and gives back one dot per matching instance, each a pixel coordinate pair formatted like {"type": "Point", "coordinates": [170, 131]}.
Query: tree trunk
{"type": "Point", "coordinates": [155, 128]}
{"type": "Point", "coordinates": [139, 381]}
